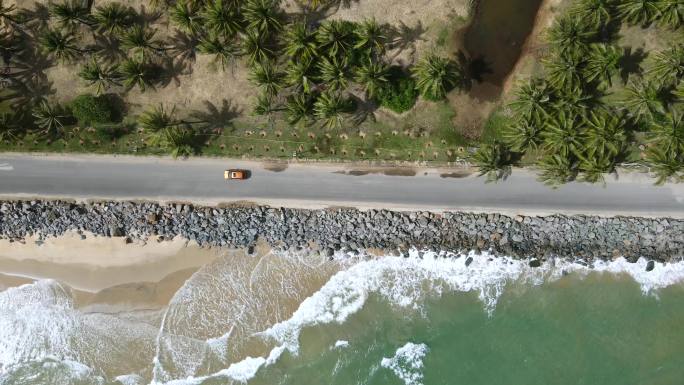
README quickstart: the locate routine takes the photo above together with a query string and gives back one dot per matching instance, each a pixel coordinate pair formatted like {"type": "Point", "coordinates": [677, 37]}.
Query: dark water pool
{"type": "Point", "coordinates": [495, 38]}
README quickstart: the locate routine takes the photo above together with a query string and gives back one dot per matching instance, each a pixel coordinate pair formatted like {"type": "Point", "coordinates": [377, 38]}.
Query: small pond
{"type": "Point", "coordinates": [495, 38]}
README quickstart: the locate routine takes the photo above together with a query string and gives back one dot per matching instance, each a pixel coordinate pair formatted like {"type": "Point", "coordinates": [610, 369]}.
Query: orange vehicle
{"type": "Point", "coordinates": [235, 174]}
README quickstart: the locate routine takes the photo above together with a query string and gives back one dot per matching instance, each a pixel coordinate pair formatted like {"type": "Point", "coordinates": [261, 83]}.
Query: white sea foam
{"type": "Point", "coordinates": [407, 363]}
{"type": "Point", "coordinates": [130, 379]}
{"type": "Point", "coordinates": [39, 321]}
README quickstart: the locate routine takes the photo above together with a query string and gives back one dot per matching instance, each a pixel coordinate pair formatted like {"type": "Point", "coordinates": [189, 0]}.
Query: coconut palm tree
{"type": "Point", "coordinates": [222, 17]}
{"type": "Point", "coordinates": [71, 13]}
{"type": "Point", "coordinates": [99, 75]}
{"type": "Point", "coordinates": [51, 118]}
{"type": "Point", "coordinates": [371, 38]}
{"type": "Point", "coordinates": [113, 18]}
{"type": "Point", "coordinates": [300, 42]}
{"type": "Point", "coordinates": [556, 169]}
{"type": "Point", "coordinates": [639, 12]}
{"type": "Point", "coordinates": [61, 45]}
{"type": "Point", "coordinates": [267, 76]}
{"type": "Point", "coordinates": [140, 42]}
{"type": "Point", "coordinates": [563, 135]}
{"type": "Point", "coordinates": [336, 37]}
{"type": "Point", "coordinates": [594, 168]}
{"type": "Point", "coordinates": [136, 73]}
{"type": "Point", "coordinates": [671, 13]}
{"type": "Point", "coordinates": [157, 119]}
{"type": "Point", "coordinates": [596, 13]}
{"type": "Point", "coordinates": [668, 133]}
{"type": "Point", "coordinates": [571, 35]}
{"type": "Point", "coordinates": [605, 135]}
{"type": "Point", "coordinates": [532, 98]}
{"type": "Point", "coordinates": [665, 165]}
{"type": "Point", "coordinates": [493, 160]}
{"type": "Point", "coordinates": [176, 140]}
{"type": "Point", "coordinates": [372, 76]}
{"type": "Point", "coordinates": [225, 52]}
{"type": "Point", "coordinates": [334, 73]}
{"type": "Point", "coordinates": [266, 106]}
{"type": "Point", "coordinates": [435, 76]}
{"type": "Point", "coordinates": [642, 100]}
{"type": "Point", "coordinates": [668, 66]}
{"type": "Point", "coordinates": [299, 76]}
{"type": "Point", "coordinates": [8, 125]}
{"type": "Point", "coordinates": [565, 70]}
{"type": "Point", "coordinates": [575, 101]}
{"type": "Point", "coordinates": [263, 16]}
{"type": "Point", "coordinates": [331, 108]}
{"type": "Point", "coordinates": [255, 47]}
{"type": "Point", "coordinates": [603, 63]}
{"type": "Point", "coordinates": [186, 15]}
{"type": "Point", "coordinates": [524, 134]}
{"type": "Point", "coordinates": [299, 109]}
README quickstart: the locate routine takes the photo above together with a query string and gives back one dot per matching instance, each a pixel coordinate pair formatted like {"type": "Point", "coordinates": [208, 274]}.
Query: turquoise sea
{"type": "Point", "coordinates": [300, 319]}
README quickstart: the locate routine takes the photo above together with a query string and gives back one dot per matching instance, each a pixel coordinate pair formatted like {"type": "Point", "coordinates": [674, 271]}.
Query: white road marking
{"type": "Point", "coordinates": [6, 167]}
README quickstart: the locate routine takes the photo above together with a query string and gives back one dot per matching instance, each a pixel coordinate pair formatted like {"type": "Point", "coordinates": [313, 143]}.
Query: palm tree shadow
{"type": "Point", "coordinates": [147, 16]}
{"type": "Point", "coordinates": [365, 109]}
{"type": "Point", "coordinates": [108, 48]}
{"type": "Point", "coordinates": [36, 18]}
{"type": "Point", "coordinates": [404, 37]}
{"type": "Point", "coordinates": [31, 64]}
{"type": "Point", "coordinates": [30, 93]}
{"type": "Point", "coordinates": [326, 10]}
{"type": "Point", "coordinates": [170, 71]}
{"type": "Point", "coordinates": [216, 119]}
{"type": "Point", "coordinates": [630, 63]}
{"type": "Point", "coordinates": [184, 49]}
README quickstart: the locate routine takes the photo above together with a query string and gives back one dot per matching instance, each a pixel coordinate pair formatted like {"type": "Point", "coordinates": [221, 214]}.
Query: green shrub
{"type": "Point", "coordinates": [401, 94]}
{"type": "Point", "coordinates": [90, 109]}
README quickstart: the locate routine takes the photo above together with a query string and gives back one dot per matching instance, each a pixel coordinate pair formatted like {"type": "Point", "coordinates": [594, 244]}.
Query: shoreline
{"type": "Point", "coordinates": [348, 230]}
{"type": "Point", "coordinates": [97, 263]}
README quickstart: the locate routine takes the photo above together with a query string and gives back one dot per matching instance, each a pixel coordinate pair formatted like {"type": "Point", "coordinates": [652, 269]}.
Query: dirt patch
{"type": "Point", "coordinates": [276, 167]}
{"type": "Point", "coordinates": [238, 204]}
{"type": "Point", "coordinates": [394, 171]}
{"type": "Point", "coordinates": [456, 174]}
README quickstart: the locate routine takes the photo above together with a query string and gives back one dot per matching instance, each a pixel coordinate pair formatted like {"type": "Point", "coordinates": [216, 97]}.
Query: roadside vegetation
{"type": "Point", "coordinates": [321, 82]}
{"type": "Point", "coordinates": [598, 104]}
{"type": "Point", "coordinates": [302, 83]}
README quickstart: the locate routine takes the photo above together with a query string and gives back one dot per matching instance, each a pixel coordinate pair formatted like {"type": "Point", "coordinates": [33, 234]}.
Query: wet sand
{"type": "Point", "coordinates": [98, 263]}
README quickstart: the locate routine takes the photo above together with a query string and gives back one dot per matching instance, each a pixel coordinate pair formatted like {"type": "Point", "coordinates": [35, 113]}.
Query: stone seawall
{"type": "Point", "coordinates": [579, 237]}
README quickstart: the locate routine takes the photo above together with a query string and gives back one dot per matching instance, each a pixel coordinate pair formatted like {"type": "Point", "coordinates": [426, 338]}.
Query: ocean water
{"type": "Point", "coordinates": [301, 319]}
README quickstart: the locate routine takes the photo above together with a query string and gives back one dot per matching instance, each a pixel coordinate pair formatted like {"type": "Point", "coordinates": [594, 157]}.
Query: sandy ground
{"type": "Point", "coordinates": [98, 262]}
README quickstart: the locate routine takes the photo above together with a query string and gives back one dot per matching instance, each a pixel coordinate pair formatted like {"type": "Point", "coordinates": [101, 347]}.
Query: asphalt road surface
{"type": "Point", "coordinates": [298, 185]}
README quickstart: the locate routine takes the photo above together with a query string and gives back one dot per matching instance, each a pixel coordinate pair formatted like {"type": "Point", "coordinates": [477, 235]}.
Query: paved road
{"type": "Point", "coordinates": [201, 180]}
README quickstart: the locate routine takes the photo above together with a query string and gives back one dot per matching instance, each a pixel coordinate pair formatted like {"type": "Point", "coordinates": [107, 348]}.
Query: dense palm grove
{"type": "Point", "coordinates": [310, 72]}
{"type": "Point", "coordinates": [572, 119]}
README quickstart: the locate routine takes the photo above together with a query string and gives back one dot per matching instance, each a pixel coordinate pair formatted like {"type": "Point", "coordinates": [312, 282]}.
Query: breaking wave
{"type": "Point", "coordinates": [236, 316]}
{"type": "Point", "coordinates": [407, 363]}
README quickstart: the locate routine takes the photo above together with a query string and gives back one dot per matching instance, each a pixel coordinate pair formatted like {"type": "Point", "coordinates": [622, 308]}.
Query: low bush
{"type": "Point", "coordinates": [90, 109]}
{"type": "Point", "coordinates": [400, 95]}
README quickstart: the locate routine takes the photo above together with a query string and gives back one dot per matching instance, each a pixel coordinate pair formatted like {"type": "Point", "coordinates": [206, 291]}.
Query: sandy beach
{"type": "Point", "coordinates": [96, 263]}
